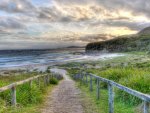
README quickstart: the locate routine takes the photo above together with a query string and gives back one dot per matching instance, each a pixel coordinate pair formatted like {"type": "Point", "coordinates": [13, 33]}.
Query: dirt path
{"type": "Point", "coordinates": [65, 98]}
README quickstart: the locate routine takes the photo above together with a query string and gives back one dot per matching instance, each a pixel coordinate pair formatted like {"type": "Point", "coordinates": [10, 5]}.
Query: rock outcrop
{"type": "Point", "coordinates": [138, 42]}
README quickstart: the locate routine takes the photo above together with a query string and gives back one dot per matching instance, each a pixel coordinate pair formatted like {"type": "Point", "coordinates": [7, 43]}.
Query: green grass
{"type": "Point", "coordinates": [5, 80]}
{"type": "Point", "coordinates": [130, 59]}
{"type": "Point", "coordinates": [101, 106]}
{"type": "Point", "coordinates": [131, 70]}
{"type": "Point", "coordinates": [29, 107]}
{"type": "Point", "coordinates": [132, 77]}
{"type": "Point", "coordinates": [29, 99]}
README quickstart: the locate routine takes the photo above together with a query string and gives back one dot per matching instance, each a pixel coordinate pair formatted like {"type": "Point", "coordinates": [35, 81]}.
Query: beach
{"type": "Point", "coordinates": [41, 59]}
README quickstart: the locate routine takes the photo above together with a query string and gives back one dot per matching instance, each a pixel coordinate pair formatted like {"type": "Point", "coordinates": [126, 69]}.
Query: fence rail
{"type": "Point", "coordinates": [111, 84]}
{"type": "Point", "coordinates": [13, 86]}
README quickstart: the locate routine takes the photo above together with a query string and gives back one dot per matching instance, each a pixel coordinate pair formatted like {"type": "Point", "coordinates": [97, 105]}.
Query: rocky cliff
{"type": "Point", "coordinates": [138, 42]}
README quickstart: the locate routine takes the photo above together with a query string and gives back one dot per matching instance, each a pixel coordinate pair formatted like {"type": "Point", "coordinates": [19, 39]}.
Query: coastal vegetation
{"type": "Point", "coordinates": [132, 72]}
{"type": "Point", "coordinates": [29, 98]}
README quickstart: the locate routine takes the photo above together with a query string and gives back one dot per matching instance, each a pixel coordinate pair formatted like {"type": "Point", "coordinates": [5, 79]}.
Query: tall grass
{"type": "Point", "coordinates": [26, 95]}
{"type": "Point", "coordinates": [5, 80]}
{"type": "Point", "coordinates": [135, 78]}
{"type": "Point", "coordinates": [132, 77]}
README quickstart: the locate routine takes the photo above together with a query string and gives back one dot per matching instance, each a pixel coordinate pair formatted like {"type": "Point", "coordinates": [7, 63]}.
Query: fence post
{"type": "Point", "coordinates": [77, 77]}
{"type": "Point", "coordinates": [98, 89]}
{"type": "Point", "coordinates": [13, 96]}
{"type": "Point", "coordinates": [86, 78]}
{"type": "Point", "coordinates": [52, 75]}
{"type": "Point", "coordinates": [111, 98]}
{"type": "Point", "coordinates": [146, 107]}
{"type": "Point", "coordinates": [95, 80]}
{"type": "Point", "coordinates": [45, 80]}
{"type": "Point", "coordinates": [48, 79]}
{"type": "Point", "coordinates": [81, 78]}
{"type": "Point", "coordinates": [91, 85]}
{"type": "Point", "coordinates": [38, 81]}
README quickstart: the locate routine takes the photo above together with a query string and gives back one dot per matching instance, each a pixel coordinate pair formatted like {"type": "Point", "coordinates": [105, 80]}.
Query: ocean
{"type": "Point", "coordinates": [20, 58]}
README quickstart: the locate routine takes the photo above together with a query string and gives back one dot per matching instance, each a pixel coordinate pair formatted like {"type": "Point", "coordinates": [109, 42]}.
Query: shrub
{"type": "Point", "coordinates": [53, 81]}
{"type": "Point", "coordinates": [48, 70]}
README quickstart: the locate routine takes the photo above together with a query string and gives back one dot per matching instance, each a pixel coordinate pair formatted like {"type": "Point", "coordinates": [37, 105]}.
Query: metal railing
{"type": "Point", "coordinates": [84, 77]}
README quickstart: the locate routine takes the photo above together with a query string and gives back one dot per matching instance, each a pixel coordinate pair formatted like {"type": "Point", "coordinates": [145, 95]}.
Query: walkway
{"type": "Point", "coordinates": [65, 98]}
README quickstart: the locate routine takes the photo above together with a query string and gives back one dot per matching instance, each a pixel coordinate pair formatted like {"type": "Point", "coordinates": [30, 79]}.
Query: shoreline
{"type": "Point", "coordinates": [91, 57]}
{"type": "Point", "coordinates": [5, 71]}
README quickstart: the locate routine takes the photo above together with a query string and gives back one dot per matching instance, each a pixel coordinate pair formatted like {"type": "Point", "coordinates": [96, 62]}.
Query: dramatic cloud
{"type": "Point", "coordinates": [16, 6]}
{"type": "Point", "coordinates": [8, 23]}
{"type": "Point", "coordinates": [42, 24]}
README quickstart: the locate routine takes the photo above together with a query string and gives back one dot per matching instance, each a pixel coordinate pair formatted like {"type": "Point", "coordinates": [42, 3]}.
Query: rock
{"type": "Point", "coordinates": [137, 42]}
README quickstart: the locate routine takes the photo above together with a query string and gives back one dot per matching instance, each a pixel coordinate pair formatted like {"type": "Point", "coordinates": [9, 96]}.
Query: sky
{"type": "Point", "coordinates": [40, 24]}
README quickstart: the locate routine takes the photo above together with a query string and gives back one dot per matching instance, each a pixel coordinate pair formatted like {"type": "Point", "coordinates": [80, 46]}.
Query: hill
{"type": "Point", "coordinates": [145, 31]}
{"type": "Point", "coordinates": [137, 42]}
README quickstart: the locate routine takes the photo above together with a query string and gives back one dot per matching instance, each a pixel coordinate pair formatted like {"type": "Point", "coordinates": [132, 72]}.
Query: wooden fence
{"type": "Point", "coordinates": [13, 86]}
{"type": "Point", "coordinates": [84, 77]}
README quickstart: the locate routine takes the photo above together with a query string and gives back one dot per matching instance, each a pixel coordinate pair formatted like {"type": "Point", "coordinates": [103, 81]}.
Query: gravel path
{"type": "Point", "coordinates": [65, 98]}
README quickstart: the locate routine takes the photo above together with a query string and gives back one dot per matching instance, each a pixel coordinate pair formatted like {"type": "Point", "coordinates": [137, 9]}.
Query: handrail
{"type": "Point", "coordinates": [2, 89]}
{"type": "Point", "coordinates": [111, 85]}
{"type": "Point", "coordinates": [15, 84]}
{"type": "Point", "coordinates": [124, 88]}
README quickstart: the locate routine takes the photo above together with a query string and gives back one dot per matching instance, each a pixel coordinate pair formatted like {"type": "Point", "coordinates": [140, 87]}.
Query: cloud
{"type": "Point", "coordinates": [24, 21]}
{"type": "Point", "coordinates": [105, 8]}
{"type": "Point", "coordinates": [96, 37]}
{"type": "Point", "coordinates": [138, 7]}
{"type": "Point", "coordinates": [16, 6]}
{"type": "Point", "coordinates": [10, 23]}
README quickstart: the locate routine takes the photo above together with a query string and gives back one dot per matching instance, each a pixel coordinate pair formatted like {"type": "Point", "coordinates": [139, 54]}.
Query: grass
{"type": "Point", "coordinates": [29, 108]}
{"type": "Point", "coordinates": [134, 78]}
{"type": "Point", "coordinates": [29, 99]}
{"type": "Point", "coordinates": [133, 59]}
{"type": "Point", "coordinates": [101, 106]}
{"type": "Point", "coordinates": [132, 70]}
{"type": "Point", "coordinates": [5, 80]}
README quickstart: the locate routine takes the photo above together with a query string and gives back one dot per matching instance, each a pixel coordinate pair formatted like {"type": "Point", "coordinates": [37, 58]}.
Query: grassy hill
{"type": "Point", "coordinates": [138, 42]}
